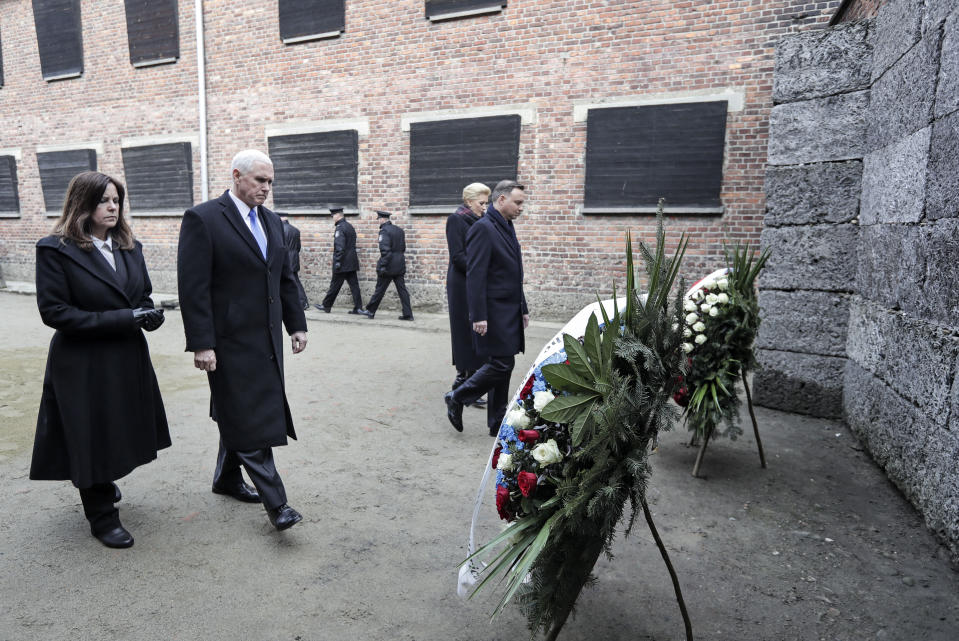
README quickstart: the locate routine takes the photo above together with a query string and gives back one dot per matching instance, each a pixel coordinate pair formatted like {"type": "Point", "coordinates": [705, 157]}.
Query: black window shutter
{"type": "Point", "coordinates": [59, 37]}
{"type": "Point", "coordinates": [316, 170]}
{"type": "Point", "coordinates": [57, 169]}
{"type": "Point", "coordinates": [304, 18]}
{"type": "Point", "coordinates": [637, 155]}
{"type": "Point", "coordinates": [159, 177]}
{"type": "Point", "coordinates": [447, 155]}
{"type": "Point", "coordinates": [9, 193]}
{"type": "Point", "coordinates": [152, 30]}
{"type": "Point", "coordinates": [440, 7]}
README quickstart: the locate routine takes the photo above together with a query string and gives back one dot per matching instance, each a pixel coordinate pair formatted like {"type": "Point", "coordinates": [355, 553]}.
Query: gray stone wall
{"type": "Point", "coordinates": [861, 300]}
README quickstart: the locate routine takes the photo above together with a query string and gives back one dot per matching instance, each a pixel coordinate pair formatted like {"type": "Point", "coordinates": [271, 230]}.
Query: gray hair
{"type": "Point", "coordinates": [505, 188]}
{"type": "Point", "coordinates": [245, 160]}
{"type": "Point", "coordinates": [472, 190]}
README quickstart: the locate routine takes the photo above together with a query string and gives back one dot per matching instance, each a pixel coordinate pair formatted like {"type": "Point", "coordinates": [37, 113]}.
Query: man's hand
{"type": "Point", "coordinates": [299, 341]}
{"type": "Point", "coordinates": [525, 321]}
{"type": "Point", "coordinates": [480, 327]}
{"type": "Point", "coordinates": [205, 359]}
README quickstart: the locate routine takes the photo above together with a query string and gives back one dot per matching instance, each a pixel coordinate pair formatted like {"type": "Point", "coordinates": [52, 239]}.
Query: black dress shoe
{"type": "Point", "coordinates": [480, 403]}
{"type": "Point", "coordinates": [454, 412]}
{"type": "Point", "coordinates": [115, 538]}
{"type": "Point", "coordinates": [284, 517]}
{"type": "Point", "coordinates": [321, 308]}
{"type": "Point", "coordinates": [241, 492]}
{"type": "Point", "coordinates": [116, 493]}
{"type": "Point", "coordinates": [370, 315]}
{"type": "Point", "coordinates": [410, 317]}
{"type": "Point", "coordinates": [361, 312]}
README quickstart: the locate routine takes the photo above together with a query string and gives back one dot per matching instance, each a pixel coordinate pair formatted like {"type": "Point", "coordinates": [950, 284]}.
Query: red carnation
{"type": "Point", "coordinates": [502, 503]}
{"type": "Point", "coordinates": [527, 483]}
{"type": "Point", "coordinates": [496, 452]}
{"type": "Point", "coordinates": [527, 388]}
{"type": "Point", "coordinates": [528, 436]}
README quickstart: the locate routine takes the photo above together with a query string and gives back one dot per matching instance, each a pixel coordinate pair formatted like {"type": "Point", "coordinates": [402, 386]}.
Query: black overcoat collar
{"type": "Point", "coordinates": [94, 262]}
{"type": "Point", "coordinates": [233, 215]}
{"type": "Point", "coordinates": [505, 228]}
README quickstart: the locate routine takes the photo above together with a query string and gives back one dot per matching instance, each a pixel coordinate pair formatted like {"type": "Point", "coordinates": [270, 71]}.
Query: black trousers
{"type": "Point", "coordinates": [98, 507]}
{"type": "Point", "coordinates": [493, 378]}
{"type": "Point", "coordinates": [382, 282]}
{"type": "Point", "coordinates": [337, 283]}
{"type": "Point", "coordinates": [260, 468]}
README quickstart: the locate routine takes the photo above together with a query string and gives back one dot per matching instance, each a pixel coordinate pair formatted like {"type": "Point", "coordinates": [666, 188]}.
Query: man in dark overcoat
{"type": "Point", "coordinates": [391, 266]}
{"type": "Point", "coordinates": [345, 264]}
{"type": "Point", "coordinates": [497, 305]}
{"type": "Point", "coordinates": [291, 238]}
{"type": "Point", "coordinates": [236, 287]}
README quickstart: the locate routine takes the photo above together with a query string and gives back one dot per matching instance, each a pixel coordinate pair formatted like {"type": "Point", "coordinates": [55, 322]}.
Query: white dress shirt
{"type": "Point", "coordinates": [244, 210]}
{"type": "Point", "coordinates": [106, 248]}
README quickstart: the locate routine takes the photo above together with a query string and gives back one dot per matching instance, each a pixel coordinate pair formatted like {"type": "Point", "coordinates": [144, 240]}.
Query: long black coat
{"type": "Point", "coordinates": [291, 238]}
{"type": "Point", "coordinates": [494, 285]}
{"type": "Point", "coordinates": [101, 414]}
{"type": "Point", "coordinates": [392, 242]}
{"type": "Point", "coordinates": [465, 358]}
{"type": "Point", "coordinates": [344, 248]}
{"type": "Point", "coordinates": [233, 302]}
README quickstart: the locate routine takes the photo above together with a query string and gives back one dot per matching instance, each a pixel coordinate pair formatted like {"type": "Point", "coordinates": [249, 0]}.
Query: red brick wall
{"type": "Point", "coordinates": [392, 62]}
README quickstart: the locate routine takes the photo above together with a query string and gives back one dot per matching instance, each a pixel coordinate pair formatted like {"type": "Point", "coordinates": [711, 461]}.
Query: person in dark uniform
{"type": "Point", "coordinates": [101, 414]}
{"type": "Point", "coordinates": [345, 264]}
{"type": "Point", "coordinates": [465, 359]}
{"type": "Point", "coordinates": [236, 290]}
{"type": "Point", "coordinates": [291, 236]}
{"type": "Point", "coordinates": [391, 267]}
{"type": "Point", "coordinates": [494, 285]}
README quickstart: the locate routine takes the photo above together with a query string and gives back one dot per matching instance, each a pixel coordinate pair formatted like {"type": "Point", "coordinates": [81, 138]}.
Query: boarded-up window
{"type": "Point", "coordinates": [57, 169]}
{"type": "Point", "coordinates": [302, 20]}
{"type": "Point", "coordinates": [637, 155]}
{"type": "Point", "coordinates": [159, 177]}
{"type": "Point", "coordinates": [447, 155]}
{"type": "Point", "coordinates": [315, 171]}
{"type": "Point", "coordinates": [9, 193]}
{"type": "Point", "coordinates": [447, 9]}
{"type": "Point", "coordinates": [59, 38]}
{"type": "Point", "coordinates": [152, 31]}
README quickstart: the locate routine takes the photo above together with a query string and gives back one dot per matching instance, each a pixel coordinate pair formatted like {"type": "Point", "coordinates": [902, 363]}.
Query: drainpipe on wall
{"type": "Point", "coordinates": [201, 96]}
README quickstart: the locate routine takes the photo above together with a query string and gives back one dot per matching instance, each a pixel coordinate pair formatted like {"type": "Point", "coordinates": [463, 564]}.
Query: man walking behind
{"type": "Point", "coordinates": [345, 264]}
{"type": "Point", "coordinates": [291, 237]}
{"type": "Point", "coordinates": [391, 267]}
{"type": "Point", "coordinates": [236, 287]}
{"type": "Point", "coordinates": [497, 305]}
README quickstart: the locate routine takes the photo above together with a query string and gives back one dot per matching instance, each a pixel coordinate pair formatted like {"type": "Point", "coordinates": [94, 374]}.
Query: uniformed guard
{"type": "Point", "coordinates": [345, 264]}
{"type": "Point", "coordinates": [390, 267]}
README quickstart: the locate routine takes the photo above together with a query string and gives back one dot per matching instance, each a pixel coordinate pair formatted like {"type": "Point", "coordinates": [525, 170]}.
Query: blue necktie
{"type": "Point", "coordinates": [257, 233]}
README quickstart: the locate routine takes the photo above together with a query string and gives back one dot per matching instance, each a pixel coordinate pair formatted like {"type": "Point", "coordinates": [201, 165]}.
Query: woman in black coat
{"type": "Point", "coordinates": [101, 414]}
{"type": "Point", "coordinates": [475, 197]}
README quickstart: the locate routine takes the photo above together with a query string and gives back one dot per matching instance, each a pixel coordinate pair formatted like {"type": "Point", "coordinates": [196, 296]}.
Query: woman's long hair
{"type": "Point", "coordinates": [83, 196]}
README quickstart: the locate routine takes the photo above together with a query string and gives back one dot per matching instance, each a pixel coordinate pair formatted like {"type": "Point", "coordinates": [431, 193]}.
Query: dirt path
{"type": "Point", "coordinates": [819, 546]}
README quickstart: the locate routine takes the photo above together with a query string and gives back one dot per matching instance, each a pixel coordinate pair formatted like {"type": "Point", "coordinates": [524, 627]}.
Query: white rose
{"type": "Point", "coordinates": [517, 419]}
{"type": "Point", "coordinates": [711, 298]}
{"type": "Point", "coordinates": [698, 295]}
{"type": "Point", "coordinates": [505, 462]}
{"type": "Point", "coordinates": [723, 298]}
{"type": "Point", "coordinates": [687, 333]}
{"type": "Point", "coordinates": [687, 347]}
{"type": "Point", "coordinates": [689, 306]}
{"type": "Point", "coordinates": [698, 327]}
{"type": "Point", "coordinates": [691, 318]}
{"type": "Point", "coordinates": [713, 311]}
{"type": "Point", "coordinates": [705, 307]}
{"type": "Point", "coordinates": [547, 453]}
{"type": "Point", "coordinates": [700, 339]}
{"type": "Point", "coordinates": [722, 283]}
{"type": "Point", "coordinates": [540, 399]}
{"type": "Point", "coordinates": [675, 327]}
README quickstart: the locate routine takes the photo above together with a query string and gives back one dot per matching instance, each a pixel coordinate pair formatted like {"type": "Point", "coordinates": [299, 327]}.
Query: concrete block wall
{"type": "Point", "coordinates": [861, 299]}
{"type": "Point", "coordinates": [818, 131]}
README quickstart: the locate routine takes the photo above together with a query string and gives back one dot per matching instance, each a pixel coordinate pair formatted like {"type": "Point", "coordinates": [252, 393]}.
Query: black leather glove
{"type": "Point", "coordinates": [147, 318]}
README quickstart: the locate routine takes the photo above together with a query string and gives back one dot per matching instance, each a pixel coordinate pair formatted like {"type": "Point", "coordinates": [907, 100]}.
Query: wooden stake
{"type": "Point", "coordinates": [752, 415]}
{"type": "Point", "coordinates": [702, 451]}
{"type": "Point", "coordinates": [672, 572]}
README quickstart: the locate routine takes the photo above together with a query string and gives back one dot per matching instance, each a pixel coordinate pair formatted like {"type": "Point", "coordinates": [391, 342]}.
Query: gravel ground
{"type": "Point", "coordinates": [818, 546]}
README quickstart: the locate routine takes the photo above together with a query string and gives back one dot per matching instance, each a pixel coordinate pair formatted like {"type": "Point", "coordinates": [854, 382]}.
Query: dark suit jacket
{"type": "Point", "coordinates": [461, 329]}
{"type": "Point", "coordinates": [344, 248]}
{"type": "Point", "coordinates": [494, 285]}
{"type": "Point", "coordinates": [101, 414]}
{"type": "Point", "coordinates": [233, 301]}
{"type": "Point", "coordinates": [392, 243]}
